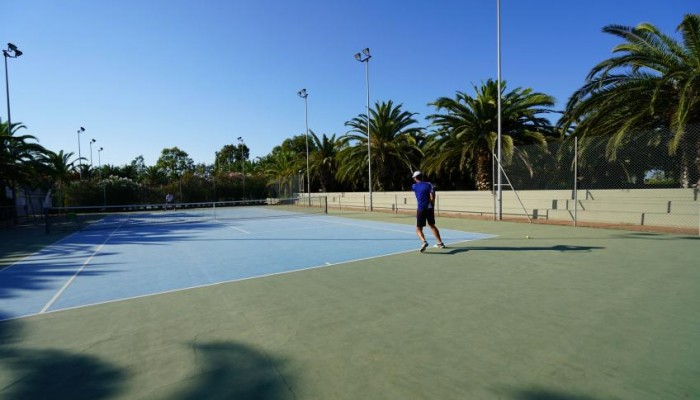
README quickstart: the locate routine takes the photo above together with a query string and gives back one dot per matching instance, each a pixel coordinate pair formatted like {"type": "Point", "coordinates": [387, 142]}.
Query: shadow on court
{"type": "Point", "coordinates": [560, 248]}
{"type": "Point", "coordinates": [48, 373]}
{"type": "Point", "coordinates": [235, 371]}
{"type": "Point", "coordinates": [544, 394]}
{"type": "Point", "coordinates": [39, 274]}
{"type": "Point", "coordinates": [38, 277]}
{"type": "Point", "coordinates": [219, 370]}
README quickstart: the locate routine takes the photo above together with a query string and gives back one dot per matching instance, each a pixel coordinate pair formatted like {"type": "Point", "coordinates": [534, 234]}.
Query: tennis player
{"type": "Point", "coordinates": [425, 195]}
{"type": "Point", "coordinates": [169, 201]}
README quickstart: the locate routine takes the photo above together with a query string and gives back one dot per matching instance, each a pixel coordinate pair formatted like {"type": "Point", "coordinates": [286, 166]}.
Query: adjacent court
{"type": "Point", "coordinates": [570, 313]}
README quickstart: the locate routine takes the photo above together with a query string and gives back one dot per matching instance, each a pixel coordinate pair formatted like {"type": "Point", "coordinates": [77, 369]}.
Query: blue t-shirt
{"type": "Point", "coordinates": [423, 191]}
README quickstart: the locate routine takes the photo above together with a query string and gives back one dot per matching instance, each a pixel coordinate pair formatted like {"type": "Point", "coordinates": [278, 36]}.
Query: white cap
{"type": "Point", "coordinates": [417, 173]}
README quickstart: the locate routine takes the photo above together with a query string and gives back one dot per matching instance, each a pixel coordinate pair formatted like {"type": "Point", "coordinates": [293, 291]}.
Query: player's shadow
{"type": "Point", "coordinates": [560, 248]}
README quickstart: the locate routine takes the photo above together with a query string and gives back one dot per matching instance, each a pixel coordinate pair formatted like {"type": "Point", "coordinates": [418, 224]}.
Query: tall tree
{"type": "Point", "coordinates": [231, 157]}
{"type": "Point", "coordinates": [323, 160]}
{"type": "Point", "coordinates": [60, 169]}
{"type": "Point", "coordinates": [467, 130]}
{"type": "Point", "coordinates": [652, 83]}
{"type": "Point", "coordinates": [138, 164]}
{"type": "Point", "coordinates": [20, 157]}
{"type": "Point", "coordinates": [394, 147]}
{"type": "Point", "coordinates": [174, 162]}
{"type": "Point", "coordinates": [281, 166]}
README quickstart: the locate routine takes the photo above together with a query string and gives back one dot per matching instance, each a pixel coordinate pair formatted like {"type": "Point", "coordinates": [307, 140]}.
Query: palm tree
{"type": "Point", "coordinates": [323, 160]}
{"type": "Point", "coordinates": [394, 146]}
{"type": "Point", "coordinates": [651, 84]}
{"type": "Point", "coordinates": [60, 168]}
{"type": "Point", "coordinates": [18, 157]}
{"type": "Point", "coordinates": [467, 129]}
{"type": "Point", "coordinates": [281, 166]}
{"type": "Point", "coordinates": [153, 175]}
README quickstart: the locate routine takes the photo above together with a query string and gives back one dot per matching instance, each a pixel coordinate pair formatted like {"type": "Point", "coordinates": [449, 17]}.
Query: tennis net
{"type": "Point", "coordinates": [115, 217]}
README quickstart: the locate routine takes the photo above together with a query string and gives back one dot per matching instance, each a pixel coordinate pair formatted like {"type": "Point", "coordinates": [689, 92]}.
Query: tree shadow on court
{"type": "Point", "coordinates": [545, 394]}
{"type": "Point", "coordinates": [235, 371]}
{"type": "Point", "coordinates": [52, 374]}
{"type": "Point", "coordinates": [560, 247]}
{"type": "Point", "coordinates": [39, 276]}
{"type": "Point", "coordinates": [659, 236]}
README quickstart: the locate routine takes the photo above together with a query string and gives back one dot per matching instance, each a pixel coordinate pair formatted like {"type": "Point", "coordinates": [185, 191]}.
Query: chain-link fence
{"type": "Point", "coordinates": [644, 178]}
{"type": "Point", "coordinates": [638, 161]}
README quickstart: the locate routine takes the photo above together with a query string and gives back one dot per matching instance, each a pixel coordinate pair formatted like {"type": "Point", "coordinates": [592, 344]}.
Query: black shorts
{"type": "Point", "coordinates": [425, 215]}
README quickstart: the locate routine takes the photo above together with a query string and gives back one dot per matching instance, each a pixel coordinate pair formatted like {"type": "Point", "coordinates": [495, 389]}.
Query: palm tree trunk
{"type": "Point", "coordinates": [483, 169]}
{"type": "Point", "coordinates": [383, 175]}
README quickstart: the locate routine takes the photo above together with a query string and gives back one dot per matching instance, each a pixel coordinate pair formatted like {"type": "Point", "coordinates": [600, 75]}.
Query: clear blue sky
{"type": "Point", "coordinates": [143, 75]}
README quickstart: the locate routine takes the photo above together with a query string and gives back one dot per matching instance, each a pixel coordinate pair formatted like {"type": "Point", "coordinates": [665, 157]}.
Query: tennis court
{"type": "Point", "coordinates": [154, 252]}
{"type": "Point", "coordinates": [342, 306]}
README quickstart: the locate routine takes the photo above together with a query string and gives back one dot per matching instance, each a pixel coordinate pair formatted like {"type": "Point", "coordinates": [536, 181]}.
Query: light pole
{"type": "Point", "coordinates": [359, 58]}
{"type": "Point", "coordinates": [301, 180]}
{"type": "Point", "coordinates": [302, 93]}
{"type": "Point", "coordinates": [499, 196]}
{"type": "Point", "coordinates": [80, 157]}
{"type": "Point", "coordinates": [104, 186]}
{"type": "Point", "coordinates": [91, 142]}
{"type": "Point", "coordinates": [241, 144]}
{"type": "Point", "coordinates": [11, 52]}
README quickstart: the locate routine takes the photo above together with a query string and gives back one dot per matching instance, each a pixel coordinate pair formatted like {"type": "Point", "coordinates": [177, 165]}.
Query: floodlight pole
{"type": "Point", "coordinates": [104, 186]}
{"type": "Point", "coordinates": [11, 52]}
{"type": "Point", "coordinates": [359, 58]}
{"type": "Point", "coordinates": [91, 142]}
{"type": "Point", "coordinates": [499, 196]}
{"type": "Point", "coordinates": [302, 93]}
{"type": "Point", "coordinates": [80, 156]}
{"type": "Point", "coordinates": [241, 143]}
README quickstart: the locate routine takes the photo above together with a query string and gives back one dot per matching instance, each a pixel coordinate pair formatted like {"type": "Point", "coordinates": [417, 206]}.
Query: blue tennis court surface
{"type": "Point", "coordinates": [96, 266]}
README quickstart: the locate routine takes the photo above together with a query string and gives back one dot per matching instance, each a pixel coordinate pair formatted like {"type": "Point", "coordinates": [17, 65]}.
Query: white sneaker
{"type": "Point", "coordinates": [423, 247]}
{"type": "Point", "coordinates": [440, 245]}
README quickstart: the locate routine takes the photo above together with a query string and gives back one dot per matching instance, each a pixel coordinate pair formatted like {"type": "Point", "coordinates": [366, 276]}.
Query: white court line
{"type": "Point", "coordinates": [233, 227]}
{"type": "Point", "coordinates": [412, 232]}
{"type": "Point", "coordinates": [47, 248]}
{"type": "Point", "coordinates": [327, 264]}
{"type": "Point", "coordinates": [304, 228]}
{"type": "Point", "coordinates": [75, 275]}
{"type": "Point", "coordinates": [369, 227]}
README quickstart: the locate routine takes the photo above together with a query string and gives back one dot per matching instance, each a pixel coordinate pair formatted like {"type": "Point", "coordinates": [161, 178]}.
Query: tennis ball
{"type": "Point", "coordinates": [527, 236]}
